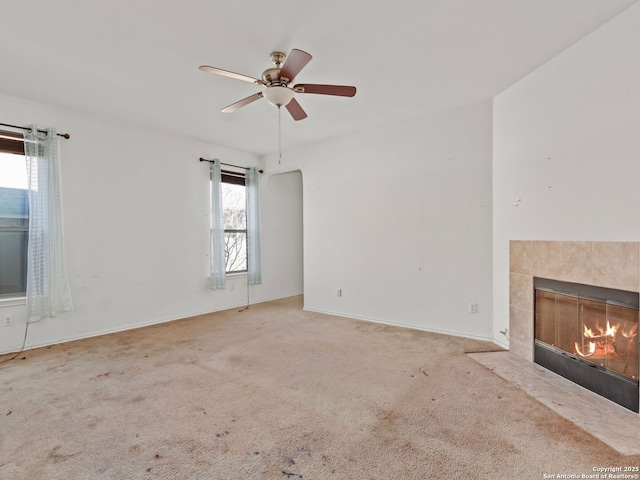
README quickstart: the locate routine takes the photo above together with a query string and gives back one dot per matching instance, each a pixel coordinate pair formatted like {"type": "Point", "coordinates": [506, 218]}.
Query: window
{"type": "Point", "coordinates": [14, 216]}
{"type": "Point", "coordinates": [234, 206]}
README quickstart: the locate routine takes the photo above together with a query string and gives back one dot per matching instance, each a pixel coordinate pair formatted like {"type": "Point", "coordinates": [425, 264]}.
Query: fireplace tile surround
{"type": "Point", "coordinates": [604, 264]}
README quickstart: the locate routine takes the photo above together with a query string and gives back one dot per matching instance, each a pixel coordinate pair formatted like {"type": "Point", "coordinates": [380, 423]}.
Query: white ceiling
{"type": "Point", "coordinates": [137, 60]}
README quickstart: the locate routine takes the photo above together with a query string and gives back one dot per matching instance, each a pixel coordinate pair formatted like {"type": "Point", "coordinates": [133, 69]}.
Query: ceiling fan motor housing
{"type": "Point", "coordinates": [270, 76]}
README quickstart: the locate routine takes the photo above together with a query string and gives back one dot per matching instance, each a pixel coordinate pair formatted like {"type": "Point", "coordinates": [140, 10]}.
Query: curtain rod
{"type": "Point", "coordinates": [226, 164]}
{"type": "Point", "coordinates": [64, 135]}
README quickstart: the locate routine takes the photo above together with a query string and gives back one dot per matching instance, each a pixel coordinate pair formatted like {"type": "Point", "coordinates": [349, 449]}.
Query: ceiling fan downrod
{"type": "Point", "coordinates": [279, 136]}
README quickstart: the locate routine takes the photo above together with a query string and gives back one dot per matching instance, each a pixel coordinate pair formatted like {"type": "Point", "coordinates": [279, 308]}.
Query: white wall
{"type": "Point", "coordinates": [136, 228]}
{"type": "Point", "coordinates": [399, 218]}
{"type": "Point", "coordinates": [567, 143]}
{"type": "Point", "coordinates": [282, 234]}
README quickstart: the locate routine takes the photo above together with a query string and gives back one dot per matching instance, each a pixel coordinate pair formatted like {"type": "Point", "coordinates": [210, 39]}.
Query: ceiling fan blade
{"type": "Point", "coordinates": [241, 103]}
{"type": "Point", "coordinates": [296, 110]}
{"type": "Point", "coordinates": [227, 73]}
{"type": "Point", "coordinates": [339, 90]}
{"type": "Point", "coordinates": [295, 62]}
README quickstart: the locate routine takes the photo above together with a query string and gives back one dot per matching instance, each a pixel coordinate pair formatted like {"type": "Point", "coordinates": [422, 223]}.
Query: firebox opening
{"type": "Point", "coordinates": [589, 335]}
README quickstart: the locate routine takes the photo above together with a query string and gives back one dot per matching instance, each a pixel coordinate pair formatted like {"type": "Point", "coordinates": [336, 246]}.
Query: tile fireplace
{"type": "Point", "coordinates": [562, 329]}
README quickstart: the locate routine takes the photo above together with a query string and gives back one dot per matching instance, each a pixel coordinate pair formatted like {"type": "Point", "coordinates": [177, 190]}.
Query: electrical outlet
{"type": "Point", "coordinates": [8, 320]}
{"type": "Point", "coordinates": [473, 308]}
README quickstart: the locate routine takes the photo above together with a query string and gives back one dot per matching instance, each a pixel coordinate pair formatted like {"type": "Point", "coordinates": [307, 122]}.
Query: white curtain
{"type": "Point", "coordinates": [218, 268]}
{"type": "Point", "coordinates": [253, 227]}
{"type": "Point", "coordinates": [48, 292]}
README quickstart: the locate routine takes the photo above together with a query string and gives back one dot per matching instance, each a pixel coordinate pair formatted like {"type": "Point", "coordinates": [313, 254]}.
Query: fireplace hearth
{"type": "Point", "coordinates": [589, 334]}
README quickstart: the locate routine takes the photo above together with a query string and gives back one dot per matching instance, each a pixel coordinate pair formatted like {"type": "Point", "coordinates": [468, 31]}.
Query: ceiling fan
{"type": "Point", "coordinates": [276, 81]}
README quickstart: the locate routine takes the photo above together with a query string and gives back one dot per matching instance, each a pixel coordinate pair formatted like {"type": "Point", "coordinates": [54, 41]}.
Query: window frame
{"type": "Point", "coordinates": [235, 178]}
{"type": "Point", "coordinates": [13, 143]}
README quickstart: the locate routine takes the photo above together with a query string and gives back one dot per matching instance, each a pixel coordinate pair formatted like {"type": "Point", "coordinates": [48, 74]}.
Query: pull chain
{"type": "Point", "coordinates": [279, 136]}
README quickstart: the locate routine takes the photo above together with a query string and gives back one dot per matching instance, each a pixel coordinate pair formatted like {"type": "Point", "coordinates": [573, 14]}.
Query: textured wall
{"type": "Point", "coordinates": [566, 150]}
{"type": "Point", "coordinates": [399, 218]}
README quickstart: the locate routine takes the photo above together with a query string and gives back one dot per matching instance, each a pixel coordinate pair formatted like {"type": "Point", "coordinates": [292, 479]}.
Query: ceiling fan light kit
{"type": "Point", "coordinates": [279, 96]}
{"type": "Point", "coordinates": [276, 81]}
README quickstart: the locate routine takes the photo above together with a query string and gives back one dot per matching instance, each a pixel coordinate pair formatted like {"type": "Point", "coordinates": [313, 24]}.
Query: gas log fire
{"type": "Point", "coordinates": [589, 335]}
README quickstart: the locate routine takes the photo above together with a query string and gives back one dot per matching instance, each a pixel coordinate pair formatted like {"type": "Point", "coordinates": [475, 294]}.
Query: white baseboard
{"type": "Point", "coordinates": [33, 346]}
{"type": "Point", "coordinates": [403, 325]}
{"type": "Point", "coordinates": [500, 343]}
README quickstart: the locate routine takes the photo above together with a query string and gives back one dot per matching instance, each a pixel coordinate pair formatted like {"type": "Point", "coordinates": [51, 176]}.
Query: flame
{"type": "Point", "coordinates": [602, 344]}
{"type": "Point", "coordinates": [633, 331]}
{"type": "Point", "coordinates": [609, 332]}
{"type": "Point", "coordinates": [592, 349]}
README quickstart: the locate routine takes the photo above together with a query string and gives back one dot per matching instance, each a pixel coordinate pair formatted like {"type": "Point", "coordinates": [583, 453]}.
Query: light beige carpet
{"type": "Point", "coordinates": [277, 393]}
